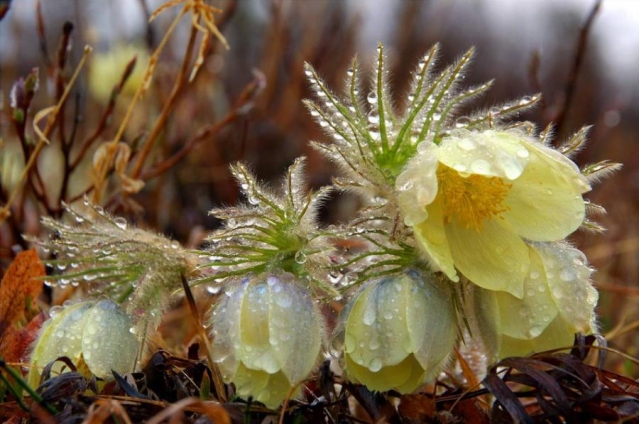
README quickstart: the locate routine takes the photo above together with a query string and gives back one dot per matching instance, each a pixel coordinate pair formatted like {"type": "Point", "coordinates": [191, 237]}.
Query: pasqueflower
{"type": "Point", "coordinates": [398, 332]}
{"type": "Point", "coordinates": [96, 337]}
{"type": "Point", "coordinates": [474, 198]}
{"type": "Point", "coordinates": [558, 302]}
{"type": "Point", "coordinates": [267, 335]}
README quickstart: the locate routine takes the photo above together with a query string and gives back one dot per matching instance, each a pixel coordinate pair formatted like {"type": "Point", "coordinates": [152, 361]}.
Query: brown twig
{"type": "Point", "coordinates": [168, 106]}
{"type": "Point", "coordinates": [571, 84]}
{"type": "Point", "coordinates": [241, 107]}
{"type": "Point", "coordinates": [100, 173]}
{"type": "Point", "coordinates": [217, 377]}
{"type": "Point", "coordinates": [106, 115]}
{"type": "Point", "coordinates": [61, 60]}
{"type": "Point", "coordinates": [52, 113]}
{"type": "Point", "coordinates": [42, 39]}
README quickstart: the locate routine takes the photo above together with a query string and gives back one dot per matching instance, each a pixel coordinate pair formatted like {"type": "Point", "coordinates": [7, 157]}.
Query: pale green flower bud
{"type": "Point", "coordinates": [267, 335]}
{"type": "Point", "coordinates": [96, 336]}
{"type": "Point", "coordinates": [398, 332]}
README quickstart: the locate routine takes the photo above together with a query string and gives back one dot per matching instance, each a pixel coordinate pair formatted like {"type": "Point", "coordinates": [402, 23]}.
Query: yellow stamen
{"type": "Point", "coordinates": [472, 199]}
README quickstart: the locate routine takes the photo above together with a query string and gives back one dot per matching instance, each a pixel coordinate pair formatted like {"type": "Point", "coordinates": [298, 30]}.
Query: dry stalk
{"type": "Point", "coordinates": [43, 135]}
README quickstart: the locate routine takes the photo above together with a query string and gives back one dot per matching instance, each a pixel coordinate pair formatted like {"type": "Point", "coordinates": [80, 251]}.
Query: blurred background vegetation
{"type": "Point", "coordinates": [245, 104]}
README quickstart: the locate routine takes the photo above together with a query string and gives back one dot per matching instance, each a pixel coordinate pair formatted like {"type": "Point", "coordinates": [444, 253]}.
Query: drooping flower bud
{"type": "Point", "coordinates": [96, 337]}
{"type": "Point", "coordinates": [559, 301]}
{"type": "Point", "coordinates": [267, 334]}
{"type": "Point", "coordinates": [398, 332]}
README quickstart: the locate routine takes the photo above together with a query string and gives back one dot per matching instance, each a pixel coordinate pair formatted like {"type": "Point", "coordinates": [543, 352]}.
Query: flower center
{"type": "Point", "coordinates": [472, 199]}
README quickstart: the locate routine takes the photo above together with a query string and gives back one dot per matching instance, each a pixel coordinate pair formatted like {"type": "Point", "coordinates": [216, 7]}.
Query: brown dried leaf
{"type": "Point", "coordinates": [15, 343]}
{"type": "Point", "coordinates": [416, 408]}
{"type": "Point", "coordinates": [19, 288]}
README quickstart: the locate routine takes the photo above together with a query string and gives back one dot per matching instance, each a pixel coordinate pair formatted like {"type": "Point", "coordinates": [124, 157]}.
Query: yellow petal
{"type": "Point", "coordinates": [375, 333]}
{"type": "Point", "coordinates": [569, 284]}
{"type": "Point", "coordinates": [495, 258]}
{"type": "Point", "coordinates": [270, 389]}
{"type": "Point", "coordinates": [118, 351]}
{"type": "Point", "coordinates": [557, 334]}
{"type": "Point", "coordinates": [431, 238]}
{"type": "Point", "coordinates": [388, 339]}
{"type": "Point", "coordinates": [404, 377]}
{"type": "Point", "coordinates": [487, 153]}
{"type": "Point", "coordinates": [294, 323]}
{"type": "Point", "coordinates": [545, 202]}
{"type": "Point", "coordinates": [527, 318]}
{"type": "Point", "coordinates": [60, 336]}
{"type": "Point", "coordinates": [417, 185]}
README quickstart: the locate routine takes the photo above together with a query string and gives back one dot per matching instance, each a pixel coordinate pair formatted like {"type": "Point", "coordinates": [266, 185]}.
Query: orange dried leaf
{"type": "Point", "coordinates": [14, 343]}
{"type": "Point", "coordinates": [19, 288]}
{"type": "Point", "coordinates": [417, 408]}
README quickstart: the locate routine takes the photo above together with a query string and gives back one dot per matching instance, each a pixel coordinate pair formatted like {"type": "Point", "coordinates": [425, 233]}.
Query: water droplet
{"type": "Point", "coordinates": [373, 118]}
{"type": "Point", "coordinates": [460, 168]}
{"type": "Point", "coordinates": [567, 274]}
{"type": "Point", "coordinates": [372, 98]}
{"type": "Point", "coordinates": [120, 222]}
{"type": "Point", "coordinates": [466, 144]}
{"type": "Point", "coordinates": [375, 365]}
{"type": "Point", "coordinates": [335, 276]}
{"type": "Point", "coordinates": [480, 166]}
{"type": "Point", "coordinates": [300, 257]}
{"type": "Point", "coordinates": [253, 200]}
{"type": "Point", "coordinates": [534, 275]}
{"type": "Point", "coordinates": [284, 300]}
{"type": "Point", "coordinates": [374, 344]}
{"type": "Point", "coordinates": [213, 290]}
{"type": "Point", "coordinates": [61, 267]}
{"type": "Point", "coordinates": [369, 315]}
{"type": "Point", "coordinates": [523, 153]}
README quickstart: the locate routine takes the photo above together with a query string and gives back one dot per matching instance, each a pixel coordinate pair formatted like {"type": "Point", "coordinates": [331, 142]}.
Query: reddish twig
{"type": "Point", "coordinates": [241, 107]}
{"type": "Point", "coordinates": [571, 84]}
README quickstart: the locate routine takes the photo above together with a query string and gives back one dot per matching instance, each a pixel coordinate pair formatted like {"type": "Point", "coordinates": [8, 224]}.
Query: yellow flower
{"type": "Point", "coordinates": [107, 68]}
{"type": "Point", "coordinates": [398, 332]}
{"type": "Point", "coordinates": [95, 336]}
{"type": "Point", "coordinates": [558, 302]}
{"type": "Point", "coordinates": [473, 199]}
{"type": "Point", "coordinates": [267, 336]}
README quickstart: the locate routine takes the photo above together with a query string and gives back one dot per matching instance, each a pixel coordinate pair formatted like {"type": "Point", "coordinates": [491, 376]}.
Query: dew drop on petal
{"type": "Point", "coordinates": [480, 166]}
{"type": "Point", "coordinates": [120, 222]}
{"type": "Point", "coordinates": [375, 364]}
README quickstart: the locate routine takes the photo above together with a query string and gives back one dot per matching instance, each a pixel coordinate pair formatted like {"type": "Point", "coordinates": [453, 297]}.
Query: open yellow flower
{"type": "Point", "coordinates": [558, 302]}
{"type": "Point", "coordinates": [267, 335]}
{"type": "Point", "coordinates": [473, 199]}
{"type": "Point", "coordinates": [398, 332]}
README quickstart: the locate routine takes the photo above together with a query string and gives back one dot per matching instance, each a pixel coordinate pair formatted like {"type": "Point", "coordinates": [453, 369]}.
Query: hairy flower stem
{"type": "Point", "coordinates": [217, 377]}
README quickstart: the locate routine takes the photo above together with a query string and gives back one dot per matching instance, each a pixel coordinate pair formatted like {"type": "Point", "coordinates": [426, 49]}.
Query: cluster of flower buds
{"type": "Point", "coordinates": [479, 205]}
{"type": "Point", "coordinates": [463, 235]}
